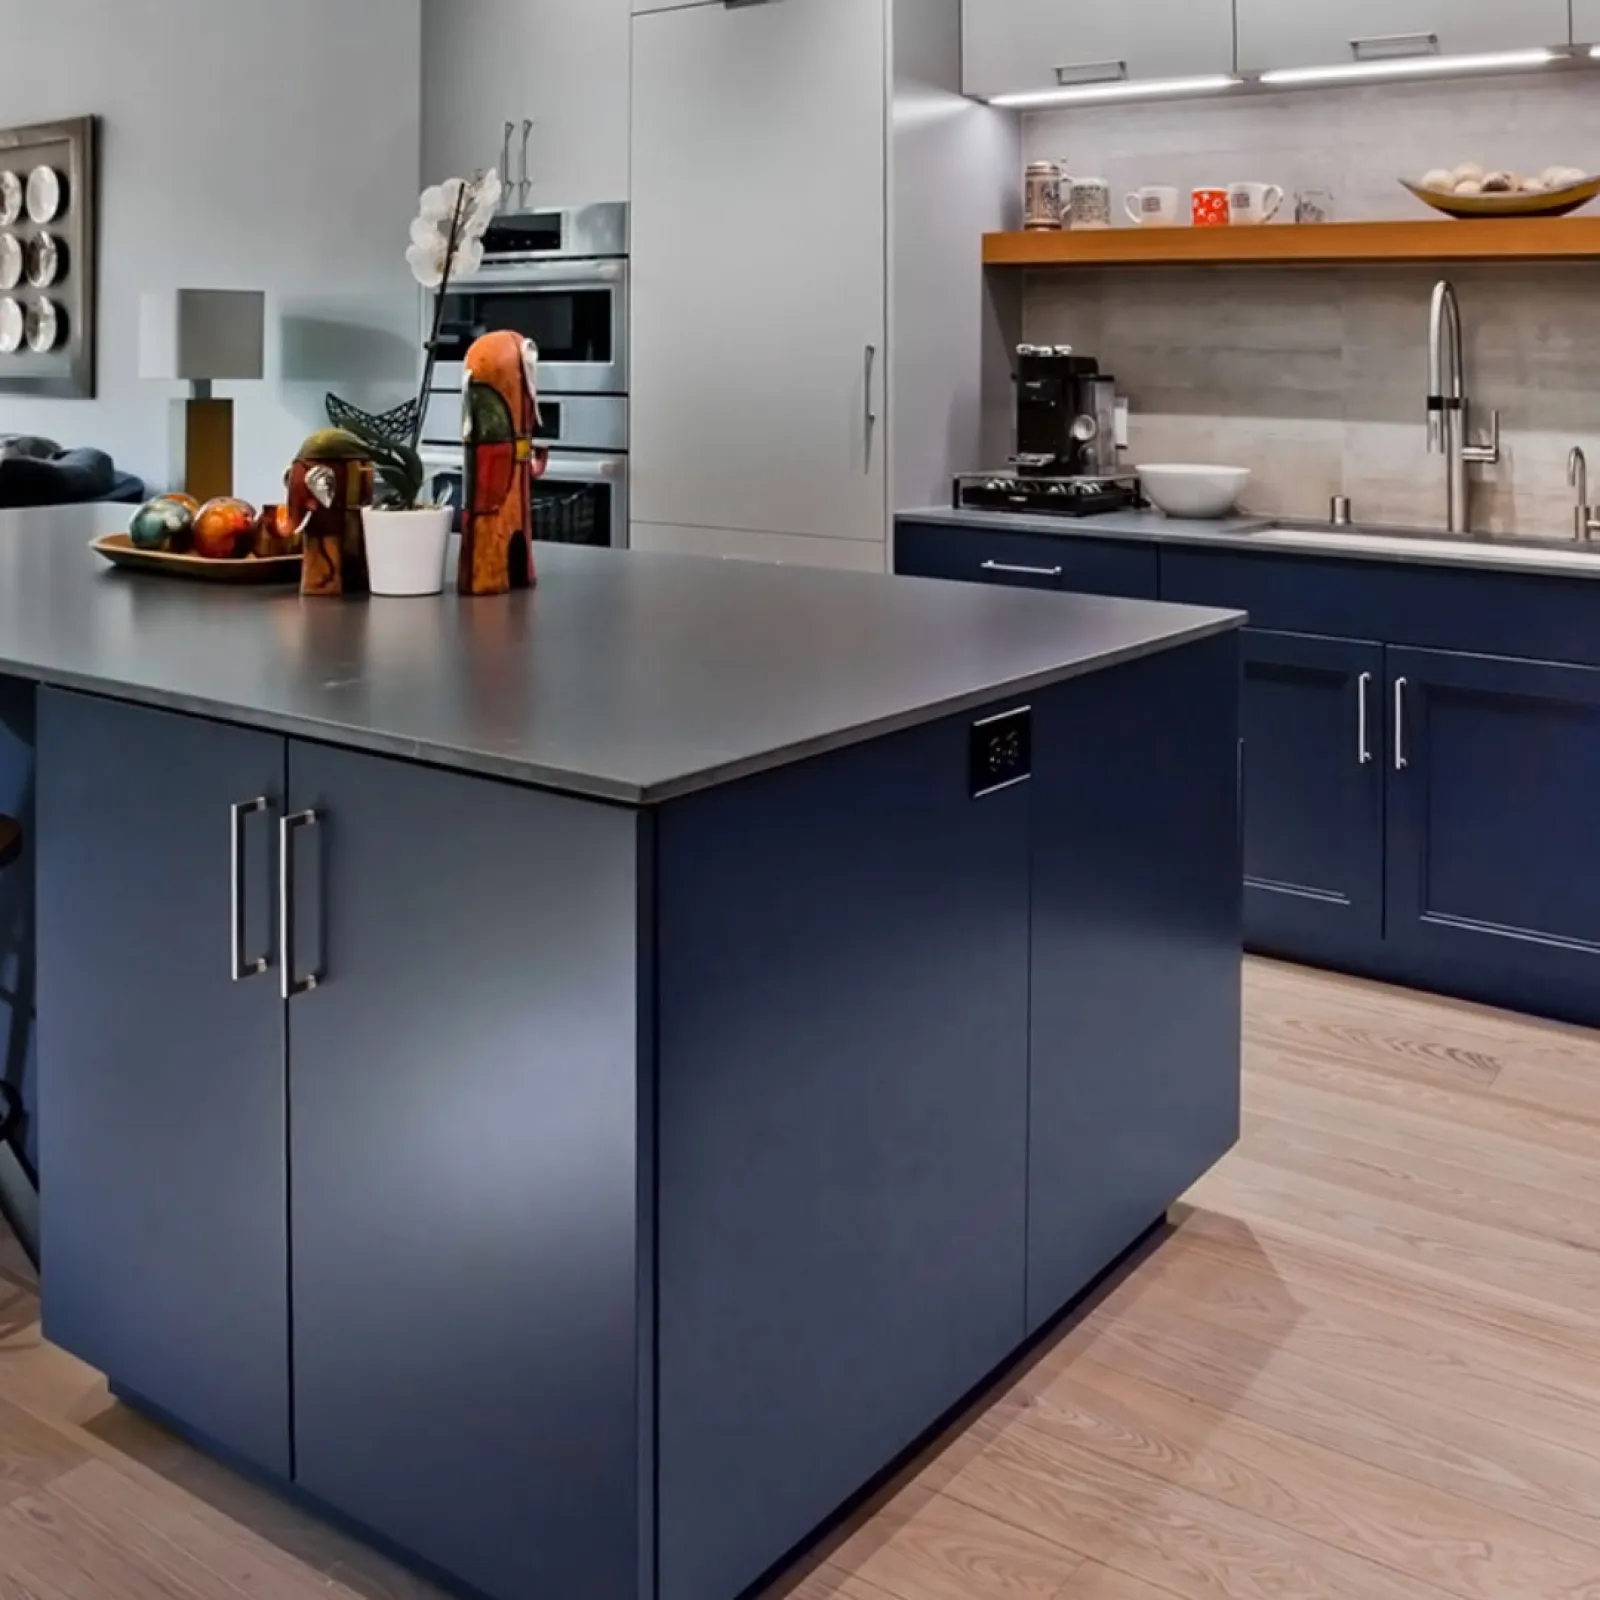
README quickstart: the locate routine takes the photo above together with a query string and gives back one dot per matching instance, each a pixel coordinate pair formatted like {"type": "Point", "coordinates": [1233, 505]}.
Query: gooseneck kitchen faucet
{"type": "Point", "coordinates": [1449, 410]}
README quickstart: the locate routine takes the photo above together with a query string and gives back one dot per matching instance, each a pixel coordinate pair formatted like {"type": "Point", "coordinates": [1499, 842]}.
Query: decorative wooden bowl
{"type": "Point", "coordinates": [121, 551]}
{"type": "Point", "coordinates": [1552, 203]}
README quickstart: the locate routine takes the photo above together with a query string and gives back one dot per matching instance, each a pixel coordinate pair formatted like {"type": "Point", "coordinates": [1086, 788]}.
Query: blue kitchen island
{"type": "Point", "coordinates": [575, 1086]}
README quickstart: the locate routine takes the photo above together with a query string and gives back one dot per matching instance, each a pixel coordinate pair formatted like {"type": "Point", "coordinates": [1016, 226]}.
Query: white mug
{"type": "Point", "coordinates": [1253, 203]}
{"type": "Point", "coordinates": [1152, 206]}
{"type": "Point", "coordinates": [1091, 203]}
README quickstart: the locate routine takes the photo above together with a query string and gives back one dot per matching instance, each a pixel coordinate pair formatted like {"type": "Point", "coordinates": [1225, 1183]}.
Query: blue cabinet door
{"type": "Point", "coordinates": [843, 1005]}
{"type": "Point", "coordinates": [1134, 1059]}
{"type": "Point", "coordinates": [162, 1120]}
{"type": "Point", "coordinates": [1065, 560]}
{"type": "Point", "coordinates": [1494, 792]}
{"type": "Point", "coordinates": [464, 1140]}
{"type": "Point", "coordinates": [1313, 725]}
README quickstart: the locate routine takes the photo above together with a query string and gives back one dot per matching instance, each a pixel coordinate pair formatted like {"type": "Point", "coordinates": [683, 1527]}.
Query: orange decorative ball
{"type": "Point", "coordinates": [183, 500]}
{"type": "Point", "coordinates": [224, 530]}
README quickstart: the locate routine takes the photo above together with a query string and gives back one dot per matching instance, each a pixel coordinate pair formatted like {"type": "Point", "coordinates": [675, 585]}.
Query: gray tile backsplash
{"type": "Point", "coordinates": [1314, 377]}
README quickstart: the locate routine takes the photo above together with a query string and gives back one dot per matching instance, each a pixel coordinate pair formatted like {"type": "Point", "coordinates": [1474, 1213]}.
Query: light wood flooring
{"type": "Point", "coordinates": [1365, 1363]}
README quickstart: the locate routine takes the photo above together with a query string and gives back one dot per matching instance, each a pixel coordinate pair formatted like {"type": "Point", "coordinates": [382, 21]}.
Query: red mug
{"type": "Point", "coordinates": [1210, 208]}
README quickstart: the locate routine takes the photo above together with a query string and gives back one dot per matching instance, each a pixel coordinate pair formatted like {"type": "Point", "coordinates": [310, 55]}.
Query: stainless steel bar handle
{"type": "Point", "coordinates": [505, 163]}
{"type": "Point", "coordinates": [872, 364]}
{"type": "Point", "coordinates": [1079, 72]}
{"type": "Point", "coordinates": [525, 183]}
{"type": "Point", "coordinates": [241, 966]}
{"type": "Point", "coordinates": [1364, 743]}
{"type": "Point", "coordinates": [288, 828]}
{"type": "Point", "coordinates": [1400, 687]}
{"type": "Point", "coordinates": [1391, 46]}
{"type": "Point", "coordinates": [1027, 572]}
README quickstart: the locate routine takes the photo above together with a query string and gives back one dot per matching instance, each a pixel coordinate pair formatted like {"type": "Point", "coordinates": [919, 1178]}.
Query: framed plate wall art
{"type": "Point", "coordinates": [48, 247]}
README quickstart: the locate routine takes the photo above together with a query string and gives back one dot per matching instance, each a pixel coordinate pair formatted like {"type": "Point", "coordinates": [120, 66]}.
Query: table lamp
{"type": "Point", "coordinates": [199, 336]}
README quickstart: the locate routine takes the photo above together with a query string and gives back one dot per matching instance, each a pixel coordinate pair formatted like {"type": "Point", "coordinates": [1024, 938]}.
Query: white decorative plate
{"type": "Point", "coordinates": [13, 326]}
{"type": "Point", "coordinates": [44, 262]}
{"type": "Point", "coordinates": [44, 194]}
{"type": "Point", "coordinates": [10, 199]}
{"type": "Point", "coordinates": [44, 327]}
{"type": "Point", "coordinates": [11, 259]}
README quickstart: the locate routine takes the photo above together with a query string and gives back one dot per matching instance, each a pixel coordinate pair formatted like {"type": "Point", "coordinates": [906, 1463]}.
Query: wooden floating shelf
{"type": "Point", "coordinates": [1303, 244]}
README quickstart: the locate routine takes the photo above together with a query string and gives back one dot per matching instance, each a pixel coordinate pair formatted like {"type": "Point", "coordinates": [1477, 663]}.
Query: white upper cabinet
{"type": "Point", "coordinates": [472, 83]}
{"type": "Point", "coordinates": [549, 77]}
{"type": "Point", "coordinates": [1320, 33]}
{"type": "Point", "coordinates": [579, 55]}
{"type": "Point", "coordinates": [759, 296]}
{"type": "Point", "coordinates": [1018, 46]}
{"type": "Point", "coordinates": [1586, 21]}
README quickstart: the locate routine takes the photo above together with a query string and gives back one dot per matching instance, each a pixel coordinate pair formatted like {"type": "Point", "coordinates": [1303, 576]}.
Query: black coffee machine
{"type": "Point", "coordinates": [1066, 421]}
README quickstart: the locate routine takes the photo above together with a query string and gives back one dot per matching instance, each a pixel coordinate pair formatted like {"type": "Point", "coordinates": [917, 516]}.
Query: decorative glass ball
{"type": "Point", "coordinates": [224, 530]}
{"type": "Point", "coordinates": [161, 525]}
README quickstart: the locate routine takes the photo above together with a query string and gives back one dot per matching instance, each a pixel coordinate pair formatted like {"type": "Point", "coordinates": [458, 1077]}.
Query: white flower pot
{"type": "Point", "coordinates": [406, 550]}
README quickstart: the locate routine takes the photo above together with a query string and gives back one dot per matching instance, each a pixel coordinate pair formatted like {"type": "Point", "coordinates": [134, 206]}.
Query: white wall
{"type": "Point", "coordinates": [269, 144]}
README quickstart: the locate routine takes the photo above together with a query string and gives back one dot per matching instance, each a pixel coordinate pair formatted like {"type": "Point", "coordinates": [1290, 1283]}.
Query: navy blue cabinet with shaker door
{"type": "Point", "coordinates": [162, 1114]}
{"type": "Point", "coordinates": [1313, 726]}
{"type": "Point", "coordinates": [1494, 796]}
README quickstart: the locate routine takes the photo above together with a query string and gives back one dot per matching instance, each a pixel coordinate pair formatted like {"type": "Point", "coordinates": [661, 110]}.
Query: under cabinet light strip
{"type": "Point", "coordinates": [1135, 89]}
{"type": "Point", "coordinates": [1412, 67]}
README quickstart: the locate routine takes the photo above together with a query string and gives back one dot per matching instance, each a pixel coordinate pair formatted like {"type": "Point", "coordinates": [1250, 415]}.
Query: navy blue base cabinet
{"type": "Point", "coordinates": [1134, 1081]}
{"type": "Point", "coordinates": [163, 1110]}
{"type": "Point", "coordinates": [1494, 792]}
{"type": "Point", "coordinates": [1313, 724]}
{"type": "Point", "coordinates": [1460, 859]}
{"type": "Point", "coordinates": [583, 1200]}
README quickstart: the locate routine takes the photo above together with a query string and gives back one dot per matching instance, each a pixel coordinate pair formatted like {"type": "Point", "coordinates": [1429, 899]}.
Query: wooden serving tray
{"type": "Point", "coordinates": [121, 551]}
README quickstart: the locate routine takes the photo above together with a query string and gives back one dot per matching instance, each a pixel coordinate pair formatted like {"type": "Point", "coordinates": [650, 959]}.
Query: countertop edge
{"type": "Point", "coordinates": [586, 786]}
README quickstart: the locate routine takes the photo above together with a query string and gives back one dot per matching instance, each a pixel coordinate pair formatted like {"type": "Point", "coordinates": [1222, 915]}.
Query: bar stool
{"type": "Point", "coordinates": [19, 1196]}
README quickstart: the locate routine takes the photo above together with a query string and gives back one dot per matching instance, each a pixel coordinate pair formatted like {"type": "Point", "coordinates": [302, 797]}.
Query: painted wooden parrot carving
{"type": "Point", "coordinates": [501, 417]}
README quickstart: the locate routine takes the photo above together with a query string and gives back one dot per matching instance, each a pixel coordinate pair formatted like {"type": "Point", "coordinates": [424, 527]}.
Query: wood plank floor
{"type": "Point", "coordinates": [1364, 1364]}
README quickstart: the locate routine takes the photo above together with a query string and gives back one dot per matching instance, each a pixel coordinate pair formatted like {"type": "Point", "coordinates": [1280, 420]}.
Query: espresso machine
{"type": "Point", "coordinates": [1067, 461]}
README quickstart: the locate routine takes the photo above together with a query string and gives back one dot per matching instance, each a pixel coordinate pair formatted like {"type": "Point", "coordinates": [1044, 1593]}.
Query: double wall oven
{"type": "Point", "coordinates": [560, 278]}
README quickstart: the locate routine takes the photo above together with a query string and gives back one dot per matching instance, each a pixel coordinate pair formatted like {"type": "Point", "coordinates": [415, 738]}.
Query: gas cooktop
{"type": "Point", "coordinates": [1055, 497]}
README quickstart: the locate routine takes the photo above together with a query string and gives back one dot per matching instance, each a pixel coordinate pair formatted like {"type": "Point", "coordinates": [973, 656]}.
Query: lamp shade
{"type": "Point", "coordinates": [200, 334]}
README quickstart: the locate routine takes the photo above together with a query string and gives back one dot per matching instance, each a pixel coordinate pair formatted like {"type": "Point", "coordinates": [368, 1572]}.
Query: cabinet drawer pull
{"type": "Point", "coordinates": [1394, 46]}
{"type": "Point", "coordinates": [1363, 742]}
{"type": "Point", "coordinates": [1077, 72]}
{"type": "Point", "coordinates": [288, 828]}
{"type": "Point", "coordinates": [241, 965]}
{"type": "Point", "coordinates": [1024, 572]}
{"type": "Point", "coordinates": [1400, 761]}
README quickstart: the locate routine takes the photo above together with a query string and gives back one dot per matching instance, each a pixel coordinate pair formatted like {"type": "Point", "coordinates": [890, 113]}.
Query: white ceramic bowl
{"type": "Point", "coordinates": [1194, 491]}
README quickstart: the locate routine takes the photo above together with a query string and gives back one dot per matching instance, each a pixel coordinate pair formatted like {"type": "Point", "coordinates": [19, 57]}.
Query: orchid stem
{"type": "Point", "coordinates": [451, 249]}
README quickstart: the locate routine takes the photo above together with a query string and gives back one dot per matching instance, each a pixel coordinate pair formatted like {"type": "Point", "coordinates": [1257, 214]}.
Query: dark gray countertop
{"type": "Point", "coordinates": [624, 677]}
{"type": "Point", "coordinates": [1264, 536]}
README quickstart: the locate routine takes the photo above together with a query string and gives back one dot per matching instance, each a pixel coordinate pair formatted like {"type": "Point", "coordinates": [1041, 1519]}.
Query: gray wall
{"type": "Point", "coordinates": [1316, 378]}
{"type": "Point", "coordinates": [268, 144]}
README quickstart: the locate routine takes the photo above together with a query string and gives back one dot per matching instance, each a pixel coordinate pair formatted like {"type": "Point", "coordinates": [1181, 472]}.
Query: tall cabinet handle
{"type": "Point", "coordinates": [525, 183]}
{"type": "Point", "coordinates": [1400, 687]}
{"type": "Point", "coordinates": [872, 364]}
{"type": "Point", "coordinates": [240, 965]}
{"type": "Point", "coordinates": [288, 829]}
{"type": "Point", "coordinates": [505, 162]}
{"type": "Point", "coordinates": [1363, 722]}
